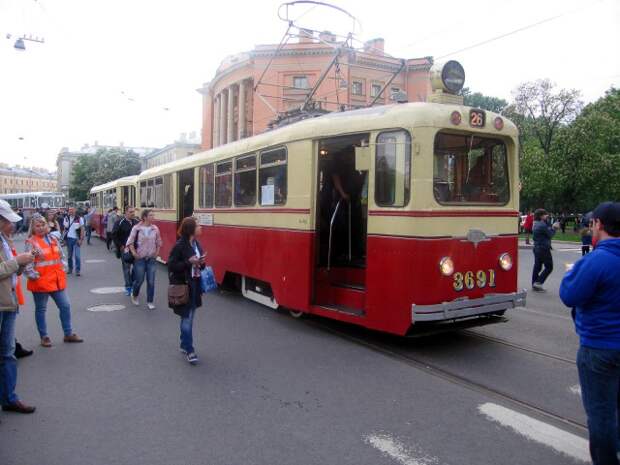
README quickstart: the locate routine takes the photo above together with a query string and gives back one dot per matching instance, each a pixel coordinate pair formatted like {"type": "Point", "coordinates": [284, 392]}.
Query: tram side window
{"type": "Point", "coordinates": [469, 169]}
{"type": "Point", "coordinates": [223, 184]}
{"type": "Point", "coordinates": [206, 186]}
{"type": "Point", "coordinates": [272, 177]}
{"type": "Point", "coordinates": [142, 194]}
{"type": "Point", "coordinates": [393, 169]}
{"type": "Point", "coordinates": [245, 181]}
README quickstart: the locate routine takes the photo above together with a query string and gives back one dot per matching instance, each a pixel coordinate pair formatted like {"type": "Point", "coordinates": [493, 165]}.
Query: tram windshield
{"type": "Point", "coordinates": [470, 169]}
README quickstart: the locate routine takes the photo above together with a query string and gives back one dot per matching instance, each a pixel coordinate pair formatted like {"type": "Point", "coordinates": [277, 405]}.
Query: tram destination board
{"type": "Point", "coordinates": [477, 118]}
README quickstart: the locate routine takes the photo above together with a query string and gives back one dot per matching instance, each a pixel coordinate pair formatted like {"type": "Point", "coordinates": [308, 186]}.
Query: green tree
{"type": "Point", "coordinates": [543, 110]}
{"type": "Point", "coordinates": [478, 100]}
{"type": "Point", "coordinates": [104, 166]}
{"type": "Point", "coordinates": [588, 155]}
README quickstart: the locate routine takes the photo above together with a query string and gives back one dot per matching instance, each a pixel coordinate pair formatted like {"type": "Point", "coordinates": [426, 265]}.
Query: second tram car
{"type": "Point", "coordinates": [118, 193]}
{"type": "Point", "coordinates": [387, 217]}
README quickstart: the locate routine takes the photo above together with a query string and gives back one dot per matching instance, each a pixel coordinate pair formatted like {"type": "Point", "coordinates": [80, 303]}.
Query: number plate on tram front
{"type": "Point", "coordinates": [470, 280]}
{"type": "Point", "coordinates": [477, 118]}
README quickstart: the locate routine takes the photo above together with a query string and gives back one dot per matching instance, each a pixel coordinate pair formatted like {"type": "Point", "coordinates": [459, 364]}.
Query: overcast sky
{"type": "Point", "coordinates": [69, 90]}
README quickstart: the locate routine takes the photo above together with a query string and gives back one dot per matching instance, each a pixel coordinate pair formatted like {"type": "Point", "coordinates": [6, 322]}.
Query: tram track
{"type": "Point", "coordinates": [505, 342]}
{"type": "Point", "coordinates": [457, 379]}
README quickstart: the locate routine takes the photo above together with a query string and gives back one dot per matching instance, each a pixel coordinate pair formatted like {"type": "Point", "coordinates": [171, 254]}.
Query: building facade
{"type": "Point", "coordinates": [16, 179]}
{"type": "Point", "coordinates": [175, 151]}
{"type": "Point", "coordinates": [250, 90]}
{"type": "Point", "coordinates": [67, 158]}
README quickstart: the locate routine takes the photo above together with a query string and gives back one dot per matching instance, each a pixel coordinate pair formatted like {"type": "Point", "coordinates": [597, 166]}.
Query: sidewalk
{"type": "Point", "coordinates": [523, 245]}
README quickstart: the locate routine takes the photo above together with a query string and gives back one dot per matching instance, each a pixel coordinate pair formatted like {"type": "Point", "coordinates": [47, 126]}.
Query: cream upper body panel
{"type": "Point", "coordinates": [120, 182]}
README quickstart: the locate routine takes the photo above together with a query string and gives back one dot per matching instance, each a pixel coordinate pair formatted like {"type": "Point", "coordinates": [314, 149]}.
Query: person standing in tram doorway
{"type": "Point", "coordinates": [592, 289]}
{"type": "Point", "coordinates": [542, 234]}
{"type": "Point", "coordinates": [120, 234]}
{"type": "Point", "coordinates": [74, 233]}
{"type": "Point", "coordinates": [46, 278]}
{"type": "Point", "coordinates": [144, 243]}
{"type": "Point", "coordinates": [11, 265]}
{"type": "Point", "coordinates": [185, 262]}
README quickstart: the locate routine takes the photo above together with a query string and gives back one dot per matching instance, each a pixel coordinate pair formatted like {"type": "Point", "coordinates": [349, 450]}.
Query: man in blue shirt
{"type": "Point", "coordinates": [592, 288]}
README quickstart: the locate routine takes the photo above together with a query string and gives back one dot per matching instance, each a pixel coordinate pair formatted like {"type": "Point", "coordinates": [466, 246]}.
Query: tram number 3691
{"type": "Point", "coordinates": [470, 280]}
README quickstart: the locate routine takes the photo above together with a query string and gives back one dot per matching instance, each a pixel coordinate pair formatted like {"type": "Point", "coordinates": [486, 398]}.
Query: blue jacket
{"type": "Point", "coordinates": [542, 234]}
{"type": "Point", "coordinates": [592, 287]}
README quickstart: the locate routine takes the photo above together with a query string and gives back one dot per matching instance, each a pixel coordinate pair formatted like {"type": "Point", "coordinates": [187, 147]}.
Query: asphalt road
{"type": "Point", "coordinates": [270, 389]}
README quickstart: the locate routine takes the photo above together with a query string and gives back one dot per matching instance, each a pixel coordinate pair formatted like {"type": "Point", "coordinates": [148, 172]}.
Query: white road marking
{"type": "Point", "coordinates": [396, 450]}
{"type": "Point", "coordinates": [106, 308]}
{"type": "Point", "coordinates": [108, 290]}
{"type": "Point", "coordinates": [95, 260]}
{"type": "Point", "coordinates": [576, 389]}
{"type": "Point", "coordinates": [561, 441]}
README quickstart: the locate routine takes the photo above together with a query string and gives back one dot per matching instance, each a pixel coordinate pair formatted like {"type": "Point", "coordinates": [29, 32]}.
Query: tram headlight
{"type": "Point", "coordinates": [446, 266]}
{"type": "Point", "coordinates": [449, 77]}
{"type": "Point", "coordinates": [505, 262]}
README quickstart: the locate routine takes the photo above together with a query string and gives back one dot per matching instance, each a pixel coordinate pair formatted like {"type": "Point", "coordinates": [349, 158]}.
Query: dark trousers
{"type": "Point", "coordinates": [89, 231]}
{"type": "Point", "coordinates": [542, 258]}
{"type": "Point", "coordinates": [585, 249]}
{"type": "Point", "coordinates": [108, 239]}
{"type": "Point", "coordinates": [599, 375]}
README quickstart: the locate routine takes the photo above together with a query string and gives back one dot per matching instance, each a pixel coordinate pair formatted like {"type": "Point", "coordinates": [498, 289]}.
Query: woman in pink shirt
{"type": "Point", "coordinates": [144, 243]}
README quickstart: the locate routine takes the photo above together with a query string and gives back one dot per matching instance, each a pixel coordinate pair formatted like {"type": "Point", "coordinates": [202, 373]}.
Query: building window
{"type": "Point", "coordinates": [357, 88]}
{"type": "Point", "coordinates": [245, 181]}
{"type": "Point", "coordinates": [301, 82]}
{"type": "Point", "coordinates": [393, 169]}
{"type": "Point", "coordinates": [394, 90]}
{"type": "Point", "coordinates": [206, 186]}
{"type": "Point", "coordinates": [375, 89]}
{"type": "Point", "coordinates": [272, 177]}
{"type": "Point", "coordinates": [223, 184]}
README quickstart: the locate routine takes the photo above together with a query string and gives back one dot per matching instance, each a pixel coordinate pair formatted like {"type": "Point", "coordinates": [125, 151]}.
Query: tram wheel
{"type": "Point", "coordinates": [296, 314]}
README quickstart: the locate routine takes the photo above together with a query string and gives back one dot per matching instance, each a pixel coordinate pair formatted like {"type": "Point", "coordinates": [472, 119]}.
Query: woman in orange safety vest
{"type": "Point", "coordinates": [47, 278]}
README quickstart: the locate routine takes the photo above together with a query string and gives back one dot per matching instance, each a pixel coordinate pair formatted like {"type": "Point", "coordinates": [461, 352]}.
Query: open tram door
{"type": "Point", "coordinates": [342, 223]}
{"type": "Point", "coordinates": [185, 194]}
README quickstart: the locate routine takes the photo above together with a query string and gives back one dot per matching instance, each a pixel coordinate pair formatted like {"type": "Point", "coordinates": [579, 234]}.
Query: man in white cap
{"type": "Point", "coordinates": [11, 264]}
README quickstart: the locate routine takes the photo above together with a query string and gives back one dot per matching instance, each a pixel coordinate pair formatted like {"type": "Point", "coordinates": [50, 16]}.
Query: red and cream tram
{"type": "Point", "coordinates": [386, 217]}
{"type": "Point", "coordinates": [118, 193]}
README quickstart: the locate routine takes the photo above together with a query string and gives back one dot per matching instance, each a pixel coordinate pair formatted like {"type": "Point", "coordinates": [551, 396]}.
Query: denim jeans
{"type": "Point", "coordinates": [599, 375]}
{"type": "Point", "coordinates": [89, 231]}
{"type": "Point", "coordinates": [64, 307]}
{"type": "Point", "coordinates": [127, 273]}
{"type": "Point", "coordinates": [142, 267]}
{"type": "Point", "coordinates": [187, 338]}
{"type": "Point", "coordinates": [8, 362]}
{"type": "Point", "coordinates": [73, 249]}
{"type": "Point", "coordinates": [542, 257]}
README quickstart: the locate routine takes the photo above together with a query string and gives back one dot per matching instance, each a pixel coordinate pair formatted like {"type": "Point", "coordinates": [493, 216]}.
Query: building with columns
{"type": "Point", "coordinates": [252, 89]}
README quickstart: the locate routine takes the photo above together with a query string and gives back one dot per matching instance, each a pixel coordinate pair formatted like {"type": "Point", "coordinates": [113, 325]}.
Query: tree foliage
{"type": "Point", "coordinates": [544, 110]}
{"type": "Point", "coordinates": [478, 100]}
{"type": "Point", "coordinates": [106, 165]}
{"type": "Point", "coordinates": [582, 164]}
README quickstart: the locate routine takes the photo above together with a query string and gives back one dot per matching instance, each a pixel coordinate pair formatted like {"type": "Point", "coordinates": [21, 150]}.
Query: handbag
{"type": "Point", "coordinates": [178, 295]}
{"type": "Point", "coordinates": [127, 256]}
{"type": "Point", "coordinates": [207, 280]}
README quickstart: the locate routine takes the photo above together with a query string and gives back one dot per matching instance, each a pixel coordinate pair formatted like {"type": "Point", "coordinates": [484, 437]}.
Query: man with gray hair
{"type": "Point", "coordinates": [11, 264]}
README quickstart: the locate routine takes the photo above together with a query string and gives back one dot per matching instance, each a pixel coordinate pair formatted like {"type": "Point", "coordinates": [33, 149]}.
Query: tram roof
{"type": "Point", "coordinates": [417, 114]}
{"type": "Point", "coordinates": [120, 182]}
{"type": "Point", "coordinates": [30, 194]}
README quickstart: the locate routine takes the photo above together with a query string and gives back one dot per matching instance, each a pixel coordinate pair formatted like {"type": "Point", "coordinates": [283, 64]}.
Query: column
{"type": "Point", "coordinates": [215, 138]}
{"type": "Point", "coordinates": [241, 110]}
{"type": "Point", "coordinates": [222, 129]}
{"type": "Point", "coordinates": [230, 113]}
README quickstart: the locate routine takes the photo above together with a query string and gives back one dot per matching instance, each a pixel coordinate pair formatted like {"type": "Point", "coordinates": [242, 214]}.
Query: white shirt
{"type": "Point", "coordinates": [73, 226]}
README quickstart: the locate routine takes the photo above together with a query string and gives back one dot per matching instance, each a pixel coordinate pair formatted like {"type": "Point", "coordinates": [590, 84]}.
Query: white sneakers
{"type": "Point", "coordinates": [134, 300]}
{"type": "Point", "coordinates": [151, 305]}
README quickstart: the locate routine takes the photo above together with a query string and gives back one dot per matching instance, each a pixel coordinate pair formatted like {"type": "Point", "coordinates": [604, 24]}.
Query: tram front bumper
{"type": "Point", "coordinates": [465, 308]}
